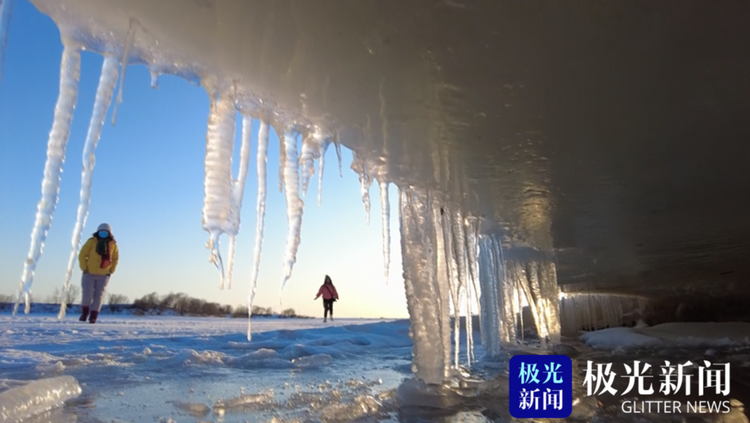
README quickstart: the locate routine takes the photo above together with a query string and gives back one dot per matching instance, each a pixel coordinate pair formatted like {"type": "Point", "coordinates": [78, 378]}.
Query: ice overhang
{"type": "Point", "coordinates": [613, 134]}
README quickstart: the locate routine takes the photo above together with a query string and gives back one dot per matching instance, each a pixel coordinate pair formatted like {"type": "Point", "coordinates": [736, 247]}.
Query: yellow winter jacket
{"type": "Point", "coordinates": [91, 261]}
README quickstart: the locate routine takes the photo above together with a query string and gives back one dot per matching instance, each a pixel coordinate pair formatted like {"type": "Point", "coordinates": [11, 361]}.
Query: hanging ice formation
{"type": "Point", "coordinates": [385, 206]}
{"type": "Point", "coordinates": [585, 312]}
{"type": "Point", "coordinates": [6, 10]}
{"type": "Point", "coordinates": [262, 162]}
{"type": "Point", "coordinates": [218, 179]}
{"type": "Point", "coordinates": [103, 99]}
{"type": "Point", "coordinates": [294, 204]}
{"type": "Point", "coordinates": [238, 190]}
{"type": "Point", "coordinates": [56, 146]}
{"type": "Point", "coordinates": [124, 65]}
{"type": "Point", "coordinates": [450, 267]}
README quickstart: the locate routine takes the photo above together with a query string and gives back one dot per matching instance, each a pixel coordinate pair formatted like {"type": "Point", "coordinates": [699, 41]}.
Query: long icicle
{"type": "Point", "coordinates": [385, 206]}
{"type": "Point", "coordinates": [238, 192]}
{"type": "Point", "coordinates": [321, 167]}
{"type": "Point", "coordinates": [6, 11]}
{"type": "Point", "coordinates": [107, 82]}
{"type": "Point", "coordinates": [70, 68]}
{"type": "Point", "coordinates": [337, 144]}
{"type": "Point", "coordinates": [294, 206]}
{"type": "Point", "coordinates": [218, 179]}
{"type": "Point", "coordinates": [262, 163]}
{"type": "Point", "coordinates": [124, 65]}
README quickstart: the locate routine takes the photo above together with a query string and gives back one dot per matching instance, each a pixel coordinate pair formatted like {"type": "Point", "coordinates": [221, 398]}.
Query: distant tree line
{"type": "Point", "coordinates": [153, 303]}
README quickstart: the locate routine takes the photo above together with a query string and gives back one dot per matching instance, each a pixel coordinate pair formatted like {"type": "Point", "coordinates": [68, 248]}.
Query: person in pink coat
{"type": "Point", "coordinates": [328, 291]}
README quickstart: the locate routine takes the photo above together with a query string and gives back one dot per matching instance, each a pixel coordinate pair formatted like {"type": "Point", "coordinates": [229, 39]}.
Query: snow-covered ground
{"type": "Point", "coordinates": [156, 368]}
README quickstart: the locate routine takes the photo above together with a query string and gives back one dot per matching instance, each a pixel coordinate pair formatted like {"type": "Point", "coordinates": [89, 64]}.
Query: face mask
{"type": "Point", "coordinates": [103, 234]}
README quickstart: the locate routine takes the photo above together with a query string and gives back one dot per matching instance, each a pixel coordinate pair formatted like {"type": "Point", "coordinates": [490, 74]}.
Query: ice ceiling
{"type": "Point", "coordinates": [609, 138]}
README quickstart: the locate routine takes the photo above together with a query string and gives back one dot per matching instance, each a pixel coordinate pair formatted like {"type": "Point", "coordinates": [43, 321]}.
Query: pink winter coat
{"type": "Point", "coordinates": [328, 292]}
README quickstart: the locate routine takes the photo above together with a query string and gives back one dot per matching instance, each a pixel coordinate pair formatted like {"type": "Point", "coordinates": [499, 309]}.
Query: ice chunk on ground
{"type": "Point", "coordinates": [18, 404]}
{"type": "Point", "coordinates": [242, 401]}
{"type": "Point", "coordinates": [194, 409]}
{"type": "Point", "coordinates": [317, 360]}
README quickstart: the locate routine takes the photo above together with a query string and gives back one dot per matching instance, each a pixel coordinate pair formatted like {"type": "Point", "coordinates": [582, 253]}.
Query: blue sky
{"type": "Point", "coordinates": [148, 184]}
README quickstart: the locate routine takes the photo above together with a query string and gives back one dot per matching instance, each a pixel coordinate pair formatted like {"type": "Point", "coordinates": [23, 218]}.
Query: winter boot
{"type": "Point", "coordinates": [84, 314]}
{"type": "Point", "coordinates": [94, 315]}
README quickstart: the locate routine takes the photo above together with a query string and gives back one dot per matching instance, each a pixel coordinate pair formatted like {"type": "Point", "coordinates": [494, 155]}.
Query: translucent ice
{"type": "Point", "coordinates": [218, 178]}
{"type": "Point", "coordinates": [238, 191]}
{"type": "Point", "coordinates": [262, 162]}
{"type": "Point", "coordinates": [56, 146]}
{"type": "Point", "coordinates": [124, 65]}
{"type": "Point", "coordinates": [294, 205]}
{"type": "Point", "coordinates": [385, 205]}
{"type": "Point", "coordinates": [21, 403]}
{"type": "Point", "coordinates": [103, 99]}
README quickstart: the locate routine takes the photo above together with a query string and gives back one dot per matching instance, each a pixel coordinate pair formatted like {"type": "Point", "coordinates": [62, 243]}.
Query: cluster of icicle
{"type": "Point", "coordinates": [441, 276]}
{"type": "Point", "coordinates": [584, 312]}
{"type": "Point", "coordinates": [507, 286]}
{"type": "Point", "coordinates": [223, 192]}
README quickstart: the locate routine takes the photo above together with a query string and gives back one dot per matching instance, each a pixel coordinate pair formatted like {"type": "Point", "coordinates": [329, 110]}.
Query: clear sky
{"type": "Point", "coordinates": [148, 184]}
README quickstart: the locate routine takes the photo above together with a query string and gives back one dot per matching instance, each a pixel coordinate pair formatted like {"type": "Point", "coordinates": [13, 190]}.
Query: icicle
{"type": "Point", "coordinates": [6, 11]}
{"type": "Point", "coordinates": [238, 192]}
{"type": "Point", "coordinates": [70, 67]}
{"type": "Point", "coordinates": [262, 162]}
{"type": "Point", "coordinates": [312, 149]}
{"type": "Point", "coordinates": [424, 293]}
{"type": "Point", "coordinates": [217, 203]}
{"type": "Point", "coordinates": [385, 206]}
{"type": "Point", "coordinates": [469, 327]}
{"type": "Point", "coordinates": [453, 280]}
{"type": "Point", "coordinates": [337, 144]}
{"type": "Point", "coordinates": [282, 158]}
{"type": "Point", "coordinates": [443, 292]}
{"type": "Point", "coordinates": [103, 99]}
{"type": "Point", "coordinates": [294, 206]}
{"type": "Point", "coordinates": [154, 79]}
{"type": "Point", "coordinates": [359, 165]}
{"type": "Point", "coordinates": [124, 65]}
{"type": "Point", "coordinates": [321, 166]}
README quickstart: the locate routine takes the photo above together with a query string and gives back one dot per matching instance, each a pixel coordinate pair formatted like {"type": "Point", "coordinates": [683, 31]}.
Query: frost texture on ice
{"type": "Point", "coordinates": [262, 162]}
{"type": "Point", "coordinates": [24, 402]}
{"type": "Point", "coordinates": [102, 101]}
{"type": "Point", "coordinates": [294, 205]}
{"type": "Point", "coordinates": [218, 179]}
{"type": "Point", "coordinates": [6, 11]}
{"type": "Point", "coordinates": [56, 145]}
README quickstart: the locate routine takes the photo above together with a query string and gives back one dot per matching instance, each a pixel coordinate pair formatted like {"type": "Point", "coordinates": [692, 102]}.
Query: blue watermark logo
{"type": "Point", "coordinates": [541, 386]}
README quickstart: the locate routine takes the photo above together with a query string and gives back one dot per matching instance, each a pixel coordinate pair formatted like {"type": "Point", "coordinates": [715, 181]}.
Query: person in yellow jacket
{"type": "Point", "coordinates": [98, 259]}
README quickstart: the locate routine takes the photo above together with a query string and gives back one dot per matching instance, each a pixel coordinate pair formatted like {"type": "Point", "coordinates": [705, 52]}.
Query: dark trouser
{"type": "Point", "coordinates": [327, 307]}
{"type": "Point", "coordinates": [93, 290]}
